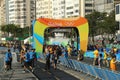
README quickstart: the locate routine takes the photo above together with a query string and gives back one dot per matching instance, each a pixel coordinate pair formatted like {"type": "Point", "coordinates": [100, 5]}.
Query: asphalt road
{"type": "Point", "coordinates": [57, 74]}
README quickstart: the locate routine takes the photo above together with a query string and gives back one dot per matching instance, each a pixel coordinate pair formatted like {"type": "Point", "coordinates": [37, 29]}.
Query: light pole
{"type": "Point", "coordinates": [29, 35]}
{"type": "Point", "coordinates": [35, 9]}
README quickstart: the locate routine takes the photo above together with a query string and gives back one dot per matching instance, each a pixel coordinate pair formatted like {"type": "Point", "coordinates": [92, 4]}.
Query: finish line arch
{"type": "Point", "coordinates": [41, 24]}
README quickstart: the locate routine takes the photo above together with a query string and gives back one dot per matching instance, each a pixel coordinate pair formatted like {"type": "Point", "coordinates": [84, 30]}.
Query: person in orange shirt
{"type": "Point", "coordinates": [113, 63]}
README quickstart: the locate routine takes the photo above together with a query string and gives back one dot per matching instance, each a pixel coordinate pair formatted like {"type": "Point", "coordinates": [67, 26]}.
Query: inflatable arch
{"type": "Point", "coordinates": [41, 24]}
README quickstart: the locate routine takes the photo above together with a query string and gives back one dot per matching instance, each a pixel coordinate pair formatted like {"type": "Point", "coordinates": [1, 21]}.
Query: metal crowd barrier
{"type": "Point", "coordinates": [90, 70]}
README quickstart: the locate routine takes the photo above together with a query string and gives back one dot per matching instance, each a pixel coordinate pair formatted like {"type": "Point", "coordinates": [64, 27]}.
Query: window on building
{"type": "Point", "coordinates": [62, 7]}
{"type": "Point", "coordinates": [88, 10]}
{"type": "Point", "coordinates": [76, 15]}
{"type": "Point", "coordinates": [18, 17]}
{"type": "Point", "coordinates": [11, 2]}
{"type": "Point", "coordinates": [18, 5]}
{"type": "Point", "coordinates": [109, 1]}
{"type": "Point", "coordinates": [69, 13]}
{"type": "Point", "coordinates": [24, 9]}
{"type": "Point", "coordinates": [23, 16]}
{"type": "Point", "coordinates": [76, 11]}
{"type": "Point", "coordinates": [24, 0]}
{"type": "Point", "coordinates": [88, 5]}
{"type": "Point", "coordinates": [76, 5]}
{"type": "Point", "coordinates": [62, 2]}
{"type": "Point", "coordinates": [11, 10]}
{"type": "Point", "coordinates": [117, 9]}
{"type": "Point", "coordinates": [70, 7]}
{"type": "Point", "coordinates": [24, 5]}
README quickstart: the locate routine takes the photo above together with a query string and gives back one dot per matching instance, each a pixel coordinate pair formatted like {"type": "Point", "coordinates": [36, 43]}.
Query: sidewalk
{"type": "Point", "coordinates": [17, 73]}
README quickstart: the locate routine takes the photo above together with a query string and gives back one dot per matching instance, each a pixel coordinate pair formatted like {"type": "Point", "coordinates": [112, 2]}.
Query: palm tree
{"type": "Point", "coordinates": [4, 29]}
{"type": "Point", "coordinates": [13, 29]}
{"type": "Point", "coordinates": [10, 28]}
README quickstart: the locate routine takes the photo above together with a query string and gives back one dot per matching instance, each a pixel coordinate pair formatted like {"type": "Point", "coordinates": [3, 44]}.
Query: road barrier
{"type": "Point", "coordinates": [90, 70]}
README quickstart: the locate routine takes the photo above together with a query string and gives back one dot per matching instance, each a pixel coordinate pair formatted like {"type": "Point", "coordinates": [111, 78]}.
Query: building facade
{"type": "Point", "coordinates": [72, 8]}
{"type": "Point", "coordinates": [104, 5]}
{"type": "Point", "coordinates": [2, 12]}
{"type": "Point", "coordinates": [89, 6]}
{"type": "Point", "coordinates": [44, 8]}
{"type": "Point", "coordinates": [59, 8]}
{"type": "Point", "coordinates": [19, 12]}
{"type": "Point", "coordinates": [117, 14]}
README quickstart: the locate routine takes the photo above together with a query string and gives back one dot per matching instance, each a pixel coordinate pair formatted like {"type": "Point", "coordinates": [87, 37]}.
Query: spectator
{"type": "Point", "coordinates": [69, 49]}
{"type": "Point", "coordinates": [26, 60]}
{"type": "Point", "coordinates": [55, 59]}
{"type": "Point", "coordinates": [96, 54]}
{"type": "Point", "coordinates": [100, 60]}
{"type": "Point", "coordinates": [113, 63]}
{"type": "Point", "coordinates": [112, 52]}
{"type": "Point", "coordinates": [10, 55]}
{"type": "Point", "coordinates": [22, 53]}
{"type": "Point", "coordinates": [105, 62]}
{"type": "Point", "coordinates": [31, 53]}
{"type": "Point", "coordinates": [80, 55]}
{"type": "Point", "coordinates": [8, 60]}
{"type": "Point", "coordinates": [34, 57]}
{"type": "Point", "coordinates": [47, 65]}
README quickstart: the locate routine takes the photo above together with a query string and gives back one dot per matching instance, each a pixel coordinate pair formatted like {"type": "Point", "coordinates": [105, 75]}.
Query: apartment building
{"type": "Point", "coordinates": [19, 12]}
{"type": "Point", "coordinates": [2, 12]}
{"type": "Point", "coordinates": [89, 6]}
{"type": "Point", "coordinates": [67, 8]}
{"type": "Point", "coordinates": [104, 5]}
{"type": "Point", "coordinates": [117, 14]}
{"type": "Point", "coordinates": [59, 8]}
{"type": "Point", "coordinates": [44, 8]}
{"type": "Point", "coordinates": [72, 8]}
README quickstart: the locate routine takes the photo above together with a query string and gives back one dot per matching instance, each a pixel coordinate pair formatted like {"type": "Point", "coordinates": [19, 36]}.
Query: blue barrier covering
{"type": "Point", "coordinates": [90, 70]}
{"type": "Point", "coordinates": [100, 73]}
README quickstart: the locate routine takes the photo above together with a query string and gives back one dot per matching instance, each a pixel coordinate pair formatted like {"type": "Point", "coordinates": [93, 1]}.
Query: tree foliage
{"type": "Point", "coordinates": [100, 23]}
{"type": "Point", "coordinates": [16, 31]}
